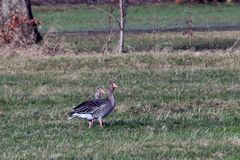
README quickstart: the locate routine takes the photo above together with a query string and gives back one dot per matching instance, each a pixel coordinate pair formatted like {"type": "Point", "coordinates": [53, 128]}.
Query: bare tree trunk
{"type": "Point", "coordinates": [122, 11]}
{"type": "Point", "coordinates": [18, 27]}
{"type": "Point", "coordinates": [38, 36]}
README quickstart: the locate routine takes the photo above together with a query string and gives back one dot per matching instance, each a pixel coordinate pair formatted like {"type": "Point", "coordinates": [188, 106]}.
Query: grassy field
{"type": "Point", "coordinates": [154, 41]}
{"type": "Point", "coordinates": [152, 16]}
{"type": "Point", "coordinates": [82, 17]}
{"type": "Point", "coordinates": [182, 105]}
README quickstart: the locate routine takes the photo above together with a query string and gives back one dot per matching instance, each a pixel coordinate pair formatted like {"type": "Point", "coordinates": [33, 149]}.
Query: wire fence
{"type": "Point", "coordinates": [155, 17]}
{"type": "Point", "coordinates": [99, 23]}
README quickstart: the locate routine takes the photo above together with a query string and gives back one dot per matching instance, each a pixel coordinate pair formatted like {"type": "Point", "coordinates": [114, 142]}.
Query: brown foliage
{"type": "Point", "coordinates": [16, 30]}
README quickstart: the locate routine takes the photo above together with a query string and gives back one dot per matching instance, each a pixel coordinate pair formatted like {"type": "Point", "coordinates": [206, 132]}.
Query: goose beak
{"type": "Point", "coordinates": [115, 85]}
{"type": "Point", "coordinates": [102, 91]}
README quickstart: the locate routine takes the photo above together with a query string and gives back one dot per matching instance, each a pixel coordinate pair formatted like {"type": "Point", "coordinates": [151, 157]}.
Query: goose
{"type": "Point", "coordinates": [99, 93]}
{"type": "Point", "coordinates": [96, 108]}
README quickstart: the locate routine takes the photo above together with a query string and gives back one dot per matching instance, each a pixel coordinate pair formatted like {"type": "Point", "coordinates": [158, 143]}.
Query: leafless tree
{"type": "Point", "coordinates": [121, 20]}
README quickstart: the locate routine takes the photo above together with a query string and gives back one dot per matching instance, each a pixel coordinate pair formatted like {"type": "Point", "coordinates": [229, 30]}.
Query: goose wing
{"type": "Point", "coordinates": [89, 106]}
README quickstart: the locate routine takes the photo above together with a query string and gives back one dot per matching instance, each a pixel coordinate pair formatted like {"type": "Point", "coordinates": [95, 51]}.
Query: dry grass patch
{"type": "Point", "coordinates": [170, 105]}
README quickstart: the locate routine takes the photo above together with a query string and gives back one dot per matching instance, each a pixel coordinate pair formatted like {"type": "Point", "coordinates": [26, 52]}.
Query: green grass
{"type": "Point", "coordinates": [169, 106]}
{"type": "Point", "coordinates": [157, 41]}
{"type": "Point", "coordinates": [82, 17]}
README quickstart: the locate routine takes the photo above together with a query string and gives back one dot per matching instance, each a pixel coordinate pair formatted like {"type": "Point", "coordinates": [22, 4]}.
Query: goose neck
{"type": "Point", "coordinates": [110, 96]}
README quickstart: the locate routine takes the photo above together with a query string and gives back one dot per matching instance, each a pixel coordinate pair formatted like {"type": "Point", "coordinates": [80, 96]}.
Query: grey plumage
{"type": "Point", "coordinates": [96, 108]}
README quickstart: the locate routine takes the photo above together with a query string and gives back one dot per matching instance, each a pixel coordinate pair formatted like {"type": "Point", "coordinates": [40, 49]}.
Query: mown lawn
{"type": "Point", "coordinates": [182, 105]}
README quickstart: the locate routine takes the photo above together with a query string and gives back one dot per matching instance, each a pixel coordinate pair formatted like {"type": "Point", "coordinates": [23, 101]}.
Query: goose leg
{"type": "Point", "coordinates": [90, 124]}
{"type": "Point", "coordinates": [100, 122]}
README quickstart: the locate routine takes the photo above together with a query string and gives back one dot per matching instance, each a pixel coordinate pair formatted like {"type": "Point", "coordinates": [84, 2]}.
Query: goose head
{"type": "Point", "coordinates": [112, 85]}
{"type": "Point", "coordinates": [99, 92]}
